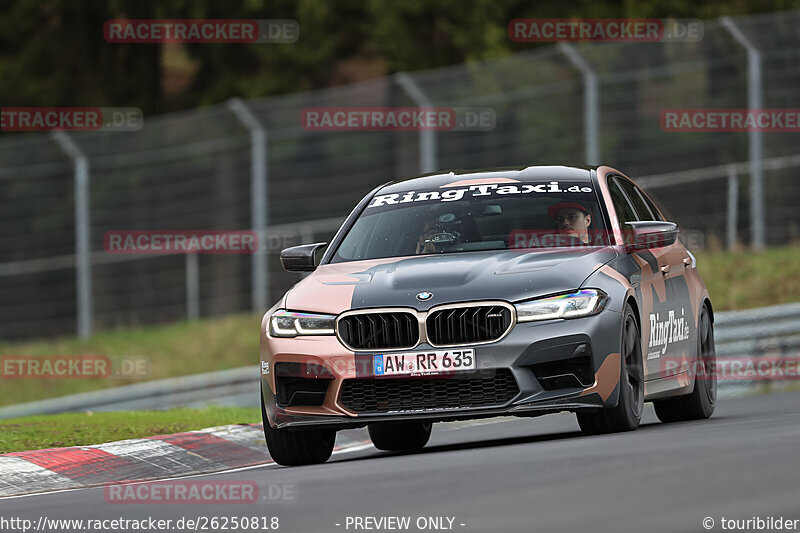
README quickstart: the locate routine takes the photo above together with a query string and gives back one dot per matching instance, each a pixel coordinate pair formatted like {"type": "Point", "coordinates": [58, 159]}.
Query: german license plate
{"type": "Point", "coordinates": [429, 363]}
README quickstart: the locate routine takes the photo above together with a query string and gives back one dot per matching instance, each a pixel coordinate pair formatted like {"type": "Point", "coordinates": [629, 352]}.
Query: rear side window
{"type": "Point", "coordinates": [625, 212]}
{"type": "Point", "coordinates": [642, 209]}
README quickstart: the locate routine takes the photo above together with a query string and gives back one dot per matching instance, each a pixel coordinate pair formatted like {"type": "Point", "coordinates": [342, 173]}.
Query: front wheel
{"type": "Point", "coordinates": [400, 437]}
{"type": "Point", "coordinates": [297, 448]}
{"type": "Point", "coordinates": [628, 412]}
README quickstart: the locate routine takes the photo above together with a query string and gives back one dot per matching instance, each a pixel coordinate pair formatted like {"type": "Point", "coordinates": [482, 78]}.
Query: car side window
{"type": "Point", "coordinates": [650, 204]}
{"type": "Point", "coordinates": [625, 212]}
{"type": "Point", "coordinates": [642, 209]}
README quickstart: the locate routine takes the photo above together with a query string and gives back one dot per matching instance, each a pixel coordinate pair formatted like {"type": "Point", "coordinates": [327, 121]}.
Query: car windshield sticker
{"type": "Point", "coordinates": [478, 191]}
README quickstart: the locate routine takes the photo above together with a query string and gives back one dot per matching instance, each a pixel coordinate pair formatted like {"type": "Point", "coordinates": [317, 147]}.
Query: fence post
{"type": "Point", "coordinates": [192, 287]}
{"type": "Point", "coordinates": [306, 234]}
{"type": "Point", "coordinates": [83, 263]}
{"type": "Point", "coordinates": [733, 206]}
{"type": "Point", "coordinates": [427, 138]}
{"type": "Point", "coordinates": [259, 205]}
{"type": "Point", "coordinates": [591, 103]}
{"type": "Point", "coordinates": [755, 139]}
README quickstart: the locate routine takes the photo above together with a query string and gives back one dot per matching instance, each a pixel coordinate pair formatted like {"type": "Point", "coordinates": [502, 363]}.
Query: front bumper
{"type": "Point", "coordinates": [522, 353]}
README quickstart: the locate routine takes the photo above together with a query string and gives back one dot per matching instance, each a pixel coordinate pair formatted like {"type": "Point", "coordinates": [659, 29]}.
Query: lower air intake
{"type": "Point", "coordinates": [382, 395]}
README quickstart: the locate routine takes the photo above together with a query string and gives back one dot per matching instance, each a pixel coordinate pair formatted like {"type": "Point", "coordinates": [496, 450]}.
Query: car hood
{"type": "Point", "coordinates": [510, 275]}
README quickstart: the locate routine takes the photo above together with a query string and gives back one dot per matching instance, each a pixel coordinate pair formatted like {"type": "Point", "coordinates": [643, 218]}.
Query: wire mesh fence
{"type": "Point", "coordinates": [199, 169]}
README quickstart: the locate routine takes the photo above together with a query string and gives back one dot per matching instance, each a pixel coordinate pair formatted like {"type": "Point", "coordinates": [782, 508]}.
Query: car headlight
{"type": "Point", "coordinates": [285, 323]}
{"type": "Point", "coordinates": [573, 305]}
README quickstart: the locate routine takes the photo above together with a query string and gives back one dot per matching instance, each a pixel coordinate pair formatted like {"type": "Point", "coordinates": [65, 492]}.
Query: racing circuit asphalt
{"type": "Point", "coordinates": [516, 474]}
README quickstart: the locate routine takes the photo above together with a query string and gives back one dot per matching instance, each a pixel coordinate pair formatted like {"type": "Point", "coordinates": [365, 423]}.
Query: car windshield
{"type": "Point", "coordinates": [477, 217]}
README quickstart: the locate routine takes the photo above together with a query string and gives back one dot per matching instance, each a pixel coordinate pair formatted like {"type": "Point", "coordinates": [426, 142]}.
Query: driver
{"type": "Point", "coordinates": [438, 233]}
{"type": "Point", "coordinates": [572, 219]}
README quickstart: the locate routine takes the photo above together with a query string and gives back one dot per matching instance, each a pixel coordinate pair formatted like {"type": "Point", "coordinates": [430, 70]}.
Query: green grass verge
{"type": "Point", "coordinates": [170, 350]}
{"type": "Point", "coordinates": [745, 279]}
{"type": "Point", "coordinates": [83, 429]}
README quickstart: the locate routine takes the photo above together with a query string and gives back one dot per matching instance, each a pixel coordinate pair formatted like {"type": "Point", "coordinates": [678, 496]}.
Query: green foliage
{"type": "Point", "coordinates": [52, 52]}
{"type": "Point", "coordinates": [744, 279]}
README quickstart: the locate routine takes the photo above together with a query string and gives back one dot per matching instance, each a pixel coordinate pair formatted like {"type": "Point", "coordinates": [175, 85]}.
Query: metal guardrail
{"type": "Point", "coordinates": [758, 331]}
{"type": "Point", "coordinates": [765, 331]}
{"type": "Point", "coordinates": [773, 331]}
{"type": "Point", "coordinates": [235, 387]}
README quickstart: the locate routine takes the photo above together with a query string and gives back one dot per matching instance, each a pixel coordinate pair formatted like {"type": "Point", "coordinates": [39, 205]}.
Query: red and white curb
{"type": "Point", "coordinates": [160, 457]}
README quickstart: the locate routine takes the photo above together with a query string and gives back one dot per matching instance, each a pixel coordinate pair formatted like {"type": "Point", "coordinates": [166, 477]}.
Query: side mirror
{"type": "Point", "coordinates": [303, 258]}
{"type": "Point", "coordinates": [644, 235]}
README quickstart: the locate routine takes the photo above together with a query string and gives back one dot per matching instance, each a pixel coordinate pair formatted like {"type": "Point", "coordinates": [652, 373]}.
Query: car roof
{"type": "Point", "coordinates": [458, 177]}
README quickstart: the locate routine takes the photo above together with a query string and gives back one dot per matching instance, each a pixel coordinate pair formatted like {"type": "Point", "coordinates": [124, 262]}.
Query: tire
{"type": "Point", "coordinates": [627, 414]}
{"type": "Point", "coordinates": [400, 437]}
{"type": "Point", "coordinates": [701, 402]}
{"type": "Point", "coordinates": [297, 448]}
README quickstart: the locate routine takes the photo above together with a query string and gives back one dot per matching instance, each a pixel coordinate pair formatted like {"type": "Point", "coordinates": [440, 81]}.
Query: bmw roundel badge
{"type": "Point", "coordinates": [425, 295]}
